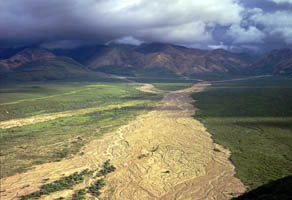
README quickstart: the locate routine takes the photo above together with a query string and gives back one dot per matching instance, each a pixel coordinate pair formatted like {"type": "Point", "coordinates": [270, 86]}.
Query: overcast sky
{"type": "Point", "coordinates": [231, 24]}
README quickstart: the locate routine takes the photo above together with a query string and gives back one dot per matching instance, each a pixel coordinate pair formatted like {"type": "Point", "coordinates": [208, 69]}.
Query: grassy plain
{"type": "Point", "coordinates": [30, 99]}
{"type": "Point", "coordinates": [253, 119]}
{"type": "Point", "coordinates": [22, 147]}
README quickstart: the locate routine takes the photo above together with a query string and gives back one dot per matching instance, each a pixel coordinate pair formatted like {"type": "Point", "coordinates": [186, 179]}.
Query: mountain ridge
{"type": "Point", "coordinates": [25, 56]}
{"type": "Point", "coordinates": [38, 64]}
{"type": "Point", "coordinates": [180, 60]}
{"type": "Point", "coordinates": [146, 59]}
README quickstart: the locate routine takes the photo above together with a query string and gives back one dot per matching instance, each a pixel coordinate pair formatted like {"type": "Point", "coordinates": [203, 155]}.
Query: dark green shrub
{"type": "Point", "coordinates": [62, 184]}
{"type": "Point", "coordinates": [107, 168]}
{"type": "Point", "coordinates": [94, 188]}
{"type": "Point", "coordinates": [79, 195]}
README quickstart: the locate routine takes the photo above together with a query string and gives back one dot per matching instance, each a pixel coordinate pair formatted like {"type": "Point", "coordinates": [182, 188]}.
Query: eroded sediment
{"type": "Point", "coordinates": [164, 154]}
{"type": "Point", "coordinates": [170, 155]}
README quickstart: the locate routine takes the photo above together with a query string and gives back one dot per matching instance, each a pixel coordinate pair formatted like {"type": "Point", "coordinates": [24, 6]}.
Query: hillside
{"type": "Point", "coordinates": [177, 59]}
{"type": "Point", "coordinates": [37, 64]}
{"type": "Point", "coordinates": [25, 56]}
{"type": "Point", "coordinates": [274, 62]}
{"type": "Point", "coordinates": [81, 54]}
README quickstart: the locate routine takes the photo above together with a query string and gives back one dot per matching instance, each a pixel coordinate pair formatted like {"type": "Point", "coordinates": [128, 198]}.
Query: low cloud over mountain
{"type": "Point", "coordinates": [231, 24]}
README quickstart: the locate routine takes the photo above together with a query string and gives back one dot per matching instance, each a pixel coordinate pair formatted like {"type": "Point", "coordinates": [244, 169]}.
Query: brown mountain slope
{"type": "Point", "coordinates": [274, 62]}
{"type": "Point", "coordinates": [37, 64]}
{"type": "Point", "coordinates": [25, 56]}
{"type": "Point", "coordinates": [114, 57]}
{"type": "Point", "coordinates": [179, 60]}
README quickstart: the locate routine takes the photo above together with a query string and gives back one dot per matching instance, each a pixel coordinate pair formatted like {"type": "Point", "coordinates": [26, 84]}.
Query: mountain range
{"type": "Point", "coordinates": [36, 63]}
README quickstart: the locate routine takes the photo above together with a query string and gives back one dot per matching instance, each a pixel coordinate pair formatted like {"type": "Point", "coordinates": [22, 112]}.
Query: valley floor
{"type": "Point", "coordinates": [164, 154]}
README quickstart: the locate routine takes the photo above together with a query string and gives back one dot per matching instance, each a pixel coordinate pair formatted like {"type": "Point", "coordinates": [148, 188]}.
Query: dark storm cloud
{"type": "Point", "coordinates": [48, 20]}
{"type": "Point", "coordinates": [210, 23]}
{"type": "Point", "coordinates": [267, 5]}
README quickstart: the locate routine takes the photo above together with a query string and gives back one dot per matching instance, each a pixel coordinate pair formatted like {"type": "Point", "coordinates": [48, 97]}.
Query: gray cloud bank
{"type": "Point", "coordinates": [230, 24]}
